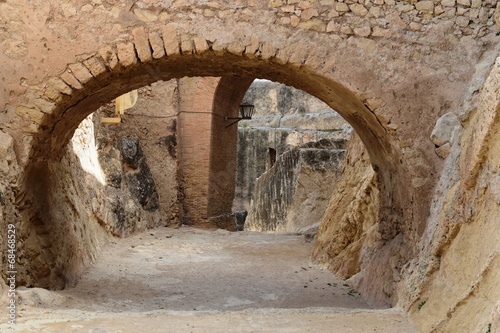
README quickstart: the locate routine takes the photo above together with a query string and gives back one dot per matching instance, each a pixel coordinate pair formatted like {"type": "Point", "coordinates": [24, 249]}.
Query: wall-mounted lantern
{"type": "Point", "coordinates": [246, 112]}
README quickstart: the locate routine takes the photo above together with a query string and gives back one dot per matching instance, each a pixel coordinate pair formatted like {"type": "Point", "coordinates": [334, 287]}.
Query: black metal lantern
{"type": "Point", "coordinates": [246, 112]}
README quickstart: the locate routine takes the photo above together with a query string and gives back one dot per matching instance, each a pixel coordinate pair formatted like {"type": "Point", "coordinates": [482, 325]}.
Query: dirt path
{"type": "Point", "coordinates": [190, 280]}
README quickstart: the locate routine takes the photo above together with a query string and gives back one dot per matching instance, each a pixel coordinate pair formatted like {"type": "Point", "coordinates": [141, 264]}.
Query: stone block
{"type": "Point", "coordinates": [109, 57]}
{"type": "Point", "coordinates": [81, 73]}
{"type": "Point", "coordinates": [39, 100]}
{"type": "Point", "coordinates": [59, 85]}
{"type": "Point", "coordinates": [6, 145]}
{"type": "Point", "coordinates": [156, 43]}
{"type": "Point", "coordinates": [288, 9]}
{"type": "Point", "coordinates": [314, 24]}
{"type": "Point", "coordinates": [425, 6]}
{"type": "Point", "coordinates": [465, 3]}
{"type": "Point", "coordinates": [304, 5]}
{"type": "Point", "coordinates": [476, 4]}
{"type": "Point", "coordinates": [496, 16]}
{"type": "Point", "coordinates": [253, 47]}
{"type": "Point", "coordinates": [309, 13]}
{"type": "Point", "coordinates": [200, 45]}
{"type": "Point", "coordinates": [462, 21]}
{"type": "Point", "coordinates": [219, 47]}
{"type": "Point", "coordinates": [126, 54]}
{"type": "Point", "coordinates": [237, 47]}
{"type": "Point", "coordinates": [405, 7]}
{"type": "Point", "coordinates": [275, 4]}
{"type": "Point", "coordinates": [95, 66]}
{"type": "Point", "coordinates": [32, 113]}
{"type": "Point", "coordinates": [170, 39]}
{"type": "Point", "coordinates": [346, 30]}
{"type": "Point", "coordinates": [376, 12]}
{"type": "Point", "coordinates": [341, 7]}
{"type": "Point", "coordinates": [186, 44]}
{"type": "Point", "coordinates": [358, 9]}
{"type": "Point", "coordinates": [145, 15]}
{"type": "Point", "coordinates": [438, 10]}
{"type": "Point", "coordinates": [415, 26]}
{"type": "Point", "coordinates": [448, 3]}
{"type": "Point", "coordinates": [333, 13]}
{"type": "Point", "coordinates": [364, 31]}
{"type": "Point", "coordinates": [285, 20]}
{"type": "Point", "coordinates": [267, 51]}
{"type": "Point", "coordinates": [443, 131]}
{"type": "Point", "coordinates": [294, 21]}
{"type": "Point", "coordinates": [444, 150]}
{"type": "Point", "coordinates": [332, 26]}
{"type": "Point", "coordinates": [141, 41]}
{"type": "Point", "coordinates": [70, 79]}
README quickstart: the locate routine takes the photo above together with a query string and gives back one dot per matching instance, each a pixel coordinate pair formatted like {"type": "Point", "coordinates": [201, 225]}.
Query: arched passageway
{"type": "Point", "coordinates": [85, 86]}
{"type": "Point", "coordinates": [391, 68]}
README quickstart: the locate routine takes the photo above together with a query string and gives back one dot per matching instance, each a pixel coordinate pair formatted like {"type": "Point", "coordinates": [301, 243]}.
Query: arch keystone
{"type": "Point", "coordinates": [141, 42]}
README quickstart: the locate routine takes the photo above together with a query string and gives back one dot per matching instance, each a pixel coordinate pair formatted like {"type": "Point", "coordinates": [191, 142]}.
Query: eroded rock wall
{"type": "Point", "coordinates": [284, 118]}
{"type": "Point", "coordinates": [348, 231]}
{"type": "Point", "coordinates": [453, 284]}
{"type": "Point", "coordinates": [292, 195]}
{"type": "Point", "coordinates": [150, 129]}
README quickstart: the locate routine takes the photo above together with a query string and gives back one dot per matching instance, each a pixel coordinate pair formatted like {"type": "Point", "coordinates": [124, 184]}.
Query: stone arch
{"type": "Point", "coordinates": [64, 101]}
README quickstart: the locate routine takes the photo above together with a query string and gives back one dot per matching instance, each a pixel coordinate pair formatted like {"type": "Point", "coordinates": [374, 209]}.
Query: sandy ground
{"type": "Point", "coordinates": [189, 280]}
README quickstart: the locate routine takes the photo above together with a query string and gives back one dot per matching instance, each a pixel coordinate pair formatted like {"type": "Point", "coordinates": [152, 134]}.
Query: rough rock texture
{"type": "Point", "coordinates": [456, 274]}
{"type": "Point", "coordinates": [284, 118]}
{"type": "Point", "coordinates": [292, 195]}
{"type": "Point", "coordinates": [152, 126]}
{"type": "Point", "coordinates": [348, 230]}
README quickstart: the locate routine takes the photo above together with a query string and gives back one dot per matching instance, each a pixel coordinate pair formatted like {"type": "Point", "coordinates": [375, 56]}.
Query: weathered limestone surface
{"type": "Point", "coordinates": [292, 195]}
{"type": "Point", "coordinates": [348, 232]}
{"type": "Point", "coordinates": [284, 118]}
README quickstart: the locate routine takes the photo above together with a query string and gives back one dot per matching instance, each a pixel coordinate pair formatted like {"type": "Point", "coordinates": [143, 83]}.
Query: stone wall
{"type": "Point", "coordinates": [151, 126]}
{"type": "Point", "coordinates": [284, 118]}
{"type": "Point", "coordinates": [292, 195]}
{"type": "Point", "coordinates": [367, 18]}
